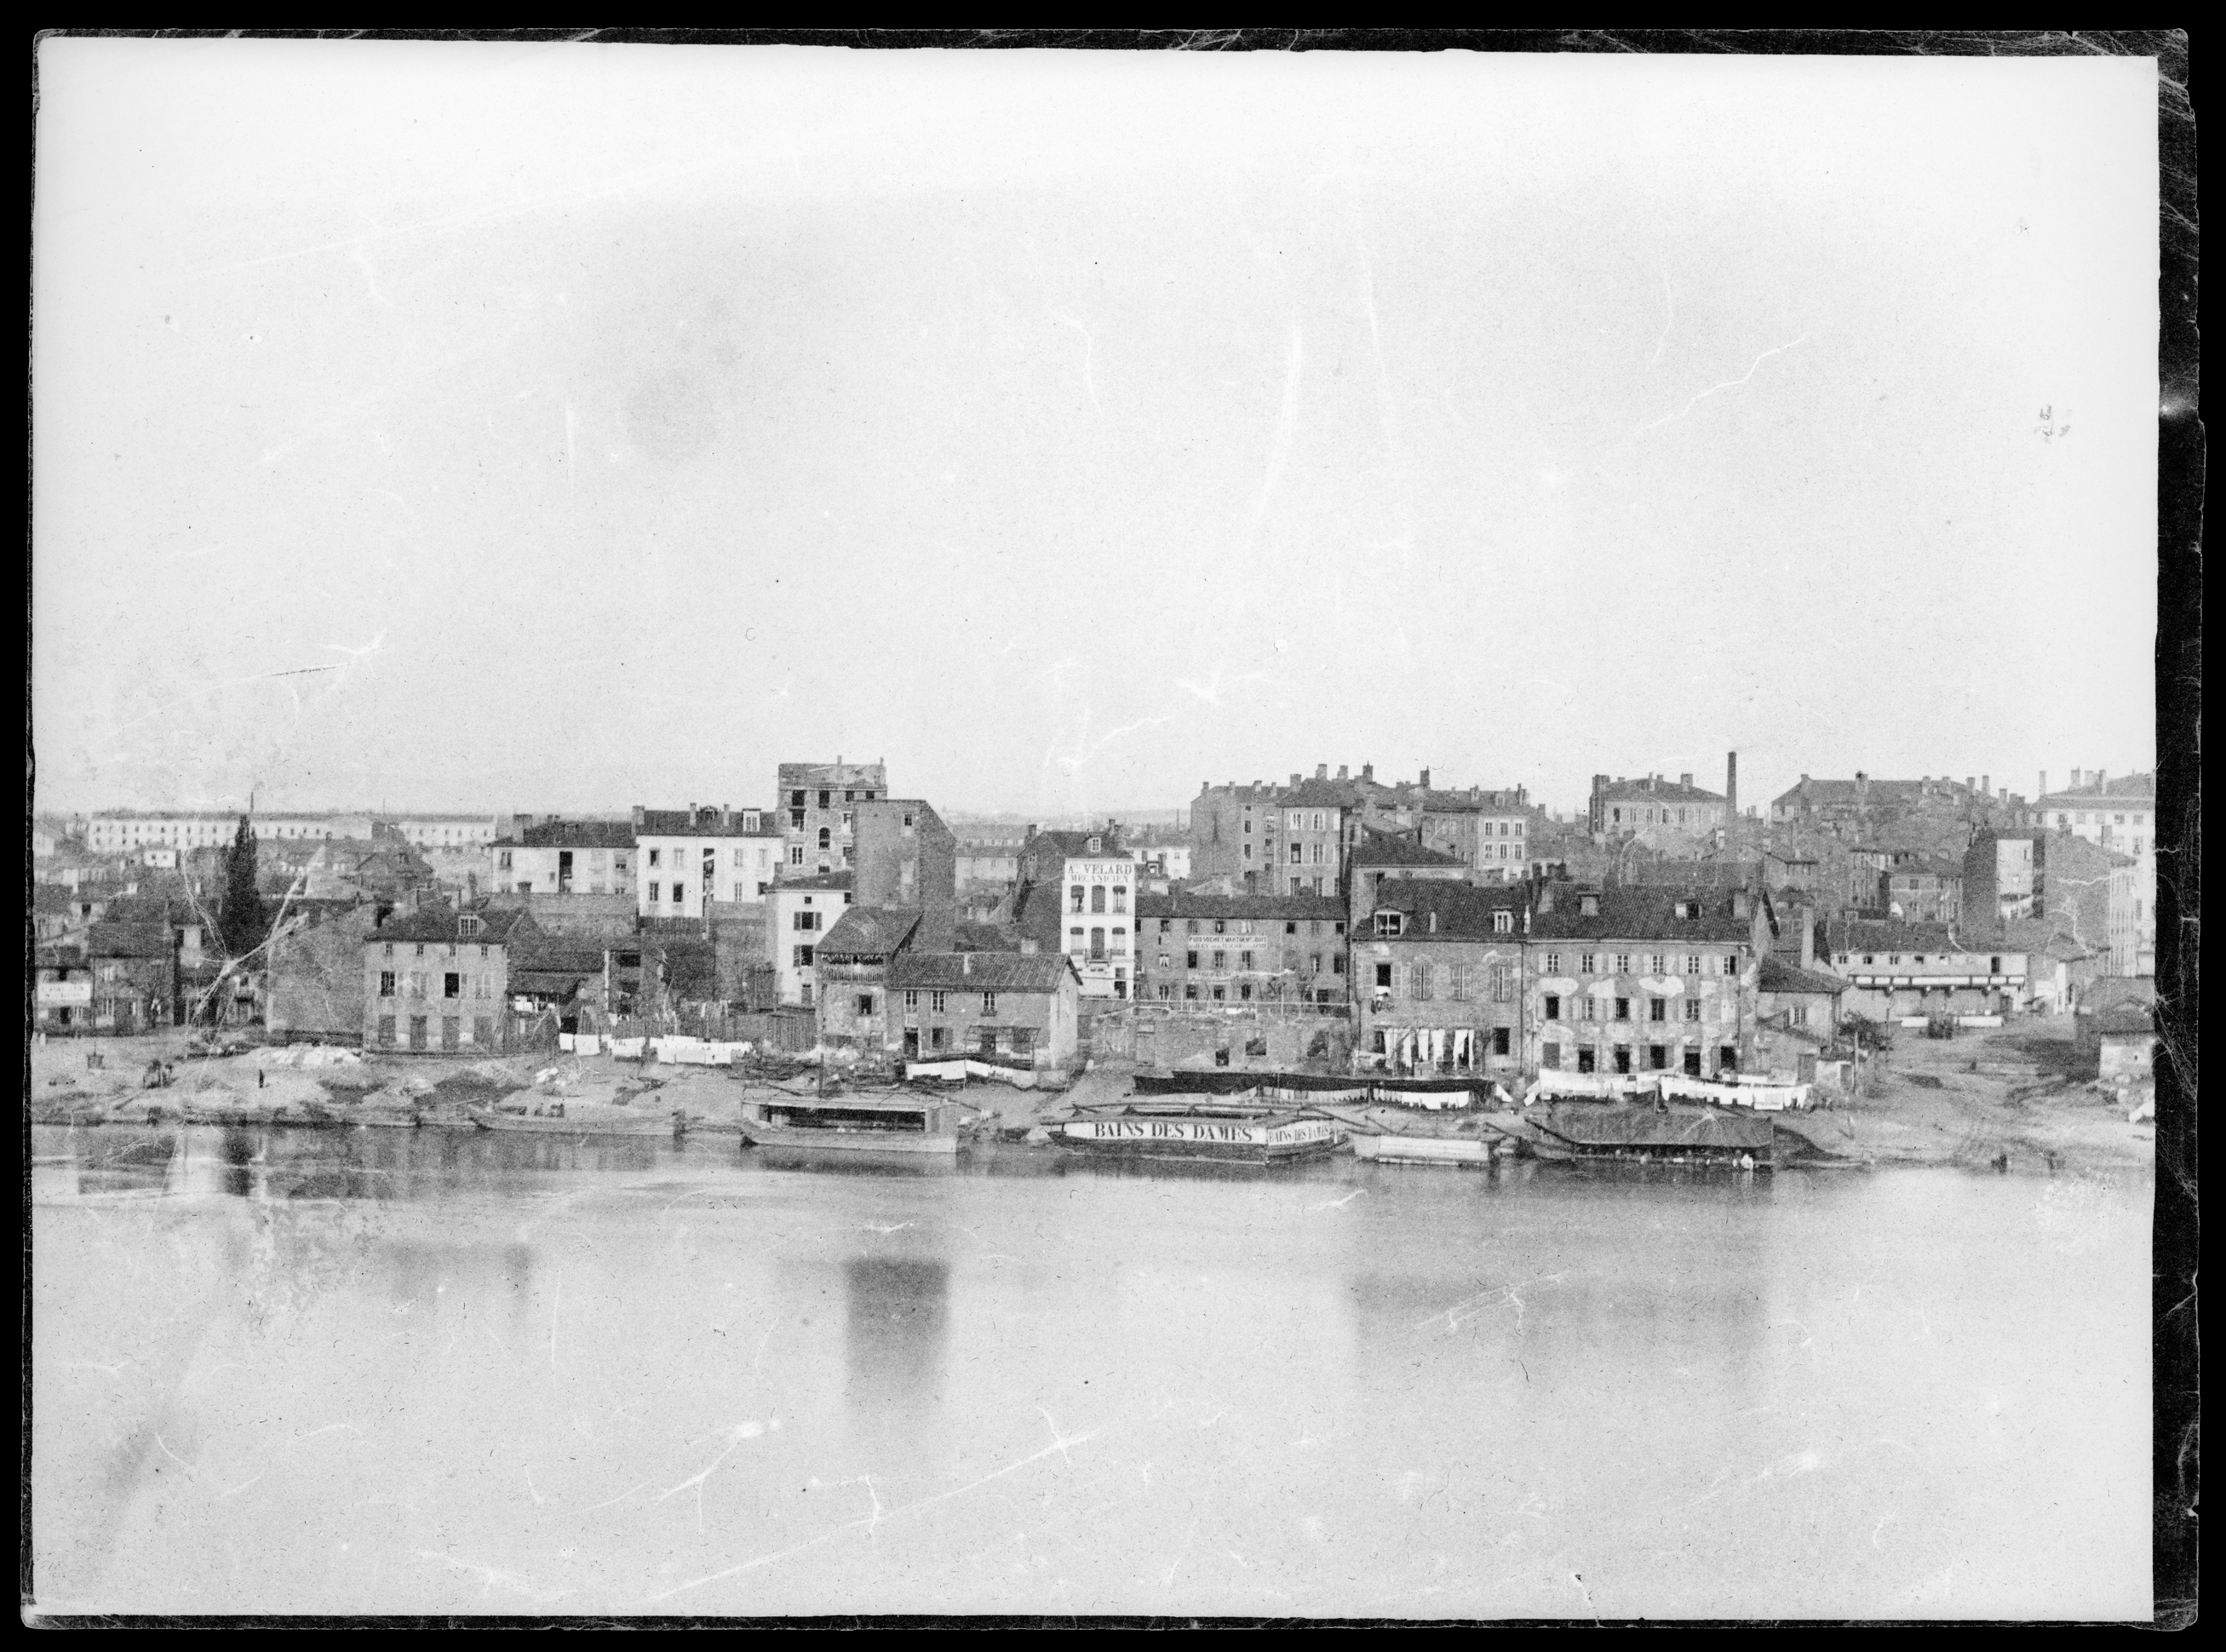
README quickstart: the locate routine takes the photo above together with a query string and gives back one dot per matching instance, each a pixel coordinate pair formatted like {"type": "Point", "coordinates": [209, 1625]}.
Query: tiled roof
{"type": "Point", "coordinates": [1779, 976]}
{"type": "Point", "coordinates": [1846, 793]}
{"type": "Point", "coordinates": [498, 926]}
{"type": "Point", "coordinates": [572, 835]}
{"type": "Point", "coordinates": [1183, 903]}
{"type": "Point", "coordinates": [1076, 845]}
{"type": "Point", "coordinates": [997, 972]}
{"type": "Point", "coordinates": [984, 937]}
{"type": "Point", "coordinates": [1627, 913]}
{"type": "Point", "coordinates": [1658, 791]}
{"type": "Point", "coordinates": [1479, 803]}
{"type": "Point", "coordinates": [1463, 911]}
{"type": "Point", "coordinates": [869, 932]}
{"type": "Point", "coordinates": [129, 941]}
{"type": "Point", "coordinates": [1862, 935]}
{"type": "Point", "coordinates": [705, 823]}
{"type": "Point", "coordinates": [2128, 788]}
{"type": "Point", "coordinates": [2122, 1020]}
{"type": "Point", "coordinates": [1322, 794]}
{"type": "Point", "coordinates": [1382, 848]}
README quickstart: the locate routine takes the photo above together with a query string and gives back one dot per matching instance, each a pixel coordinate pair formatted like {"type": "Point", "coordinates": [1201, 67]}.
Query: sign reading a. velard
{"type": "Point", "coordinates": [1262, 1136]}
{"type": "Point", "coordinates": [67, 993]}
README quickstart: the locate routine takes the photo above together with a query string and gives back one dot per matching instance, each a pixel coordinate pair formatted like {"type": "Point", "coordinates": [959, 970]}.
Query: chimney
{"type": "Point", "coordinates": [2043, 792]}
{"type": "Point", "coordinates": [1340, 772]}
{"type": "Point", "coordinates": [1426, 780]}
{"type": "Point", "coordinates": [966, 963]}
{"type": "Point", "coordinates": [1434, 923]}
{"type": "Point", "coordinates": [1368, 770]}
{"type": "Point", "coordinates": [1806, 915]}
{"type": "Point", "coordinates": [1986, 785]}
{"type": "Point", "coordinates": [639, 813]}
{"type": "Point", "coordinates": [1294, 782]}
{"type": "Point", "coordinates": [1686, 781]}
{"type": "Point", "coordinates": [1321, 772]}
{"type": "Point", "coordinates": [2102, 779]}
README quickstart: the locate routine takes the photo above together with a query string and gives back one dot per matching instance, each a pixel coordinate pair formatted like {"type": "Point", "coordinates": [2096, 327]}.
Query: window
{"type": "Point", "coordinates": [1419, 981]}
{"type": "Point", "coordinates": [796, 854]}
{"type": "Point", "coordinates": [801, 956]}
{"type": "Point", "coordinates": [1550, 1055]}
{"type": "Point", "coordinates": [1623, 1009]}
{"type": "Point", "coordinates": [656, 857]}
{"type": "Point", "coordinates": [1692, 964]}
{"type": "Point", "coordinates": [1657, 1009]}
{"type": "Point", "coordinates": [468, 927]}
{"type": "Point", "coordinates": [865, 1003]}
{"type": "Point", "coordinates": [1337, 963]}
{"type": "Point", "coordinates": [804, 920]}
{"type": "Point", "coordinates": [1190, 991]}
{"type": "Point", "coordinates": [1097, 946]}
{"type": "Point", "coordinates": [1657, 1056]}
{"type": "Point", "coordinates": [1383, 977]}
{"type": "Point", "coordinates": [1190, 960]}
{"type": "Point", "coordinates": [796, 815]}
{"type": "Point", "coordinates": [1553, 963]}
{"type": "Point", "coordinates": [1456, 980]}
{"type": "Point", "coordinates": [1623, 1058]}
{"type": "Point", "coordinates": [1500, 1041]}
{"type": "Point", "coordinates": [1584, 963]}
{"type": "Point", "coordinates": [386, 1029]}
{"type": "Point", "coordinates": [386, 984]}
{"type": "Point", "coordinates": [1220, 926]}
{"type": "Point", "coordinates": [1728, 1057]}
{"type": "Point", "coordinates": [1097, 898]}
{"type": "Point", "coordinates": [1244, 960]}
{"type": "Point", "coordinates": [1074, 898]}
{"type": "Point", "coordinates": [826, 838]}
{"type": "Point", "coordinates": [826, 798]}
{"type": "Point", "coordinates": [1297, 854]}
{"type": "Point", "coordinates": [1390, 923]}
{"type": "Point", "coordinates": [1503, 984]}
{"type": "Point", "coordinates": [988, 1003]}
{"type": "Point", "coordinates": [1585, 1059]}
{"type": "Point", "coordinates": [936, 1000]}
{"type": "Point", "coordinates": [1798, 1015]}
{"type": "Point", "coordinates": [1623, 963]}
{"type": "Point", "coordinates": [1553, 1014]}
{"type": "Point", "coordinates": [1692, 1009]}
{"type": "Point", "coordinates": [452, 985]}
{"type": "Point", "coordinates": [1993, 966]}
{"type": "Point", "coordinates": [937, 1036]}
{"type": "Point", "coordinates": [1221, 960]}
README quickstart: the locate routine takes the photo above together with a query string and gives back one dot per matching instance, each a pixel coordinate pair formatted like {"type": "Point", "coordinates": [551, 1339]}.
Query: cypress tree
{"type": "Point", "coordinates": [241, 919]}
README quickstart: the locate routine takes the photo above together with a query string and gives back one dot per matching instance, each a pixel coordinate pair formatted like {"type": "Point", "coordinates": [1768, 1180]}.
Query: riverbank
{"type": "Point", "coordinates": [2013, 1098]}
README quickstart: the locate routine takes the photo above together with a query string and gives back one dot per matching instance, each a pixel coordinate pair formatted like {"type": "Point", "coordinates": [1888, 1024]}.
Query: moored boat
{"type": "Point", "coordinates": [905, 1124]}
{"type": "Point", "coordinates": [1639, 1133]}
{"type": "Point", "coordinates": [1202, 1132]}
{"type": "Point", "coordinates": [1399, 1149]}
{"type": "Point", "coordinates": [578, 1125]}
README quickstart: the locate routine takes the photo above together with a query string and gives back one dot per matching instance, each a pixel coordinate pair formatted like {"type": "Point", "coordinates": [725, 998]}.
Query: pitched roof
{"type": "Point", "coordinates": [2122, 1020]}
{"type": "Point", "coordinates": [498, 926]}
{"type": "Point", "coordinates": [1076, 845]}
{"type": "Point", "coordinates": [1872, 935]}
{"type": "Point", "coordinates": [869, 932]}
{"type": "Point", "coordinates": [572, 835]}
{"type": "Point", "coordinates": [1188, 902]}
{"type": "Point", "coordinates": [984, 937]}
{"type": "Point", "coordinates": [1779, 976]}
{"type": "Point", "coordinates": [1322, 794]}
{"type": "Point", "coordinates": [999, 972]}
{"type": "Point", "coordinates": [812, 776]}
{"type": "Point", "coordinates": [705, 823]}
{"type": "Point", "coordinates": [2126, 788]}
{"type": "Point", "coordinates": [1463, 911]}
{"type": "Point", "coordinates": [1386, 848]}
{"type": "Point", "coordinates": [129, 941]}
{"type": "Point", "coordinates": [1843, 793]}
{"type": "Point", "coordinates": [1659, 791]}
{"type": "Point", "coordinates": [1479, 802]}
{"type": "Point", "coordinates": [1629, 914]}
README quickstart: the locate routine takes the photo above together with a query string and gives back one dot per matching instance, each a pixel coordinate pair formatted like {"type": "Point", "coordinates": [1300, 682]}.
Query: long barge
{"type": "Point", "coordinates": [1202, 1132]}
{"type": "Point", "coordinates": [901, 1124]}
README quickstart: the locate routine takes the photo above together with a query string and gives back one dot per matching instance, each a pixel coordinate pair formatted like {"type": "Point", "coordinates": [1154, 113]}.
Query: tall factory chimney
{"type": "Point", "coordinates": [2043, 792]}
{"type": "Point", "coordinates": [1731, 788]}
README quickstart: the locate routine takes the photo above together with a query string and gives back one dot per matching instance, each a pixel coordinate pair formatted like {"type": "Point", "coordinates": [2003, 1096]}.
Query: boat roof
{"type": "Point", "coordinates": [858, 1103]}
{"type": "Point", "coordinates": [1647, 1126]}
{"type": "Point", "coordinates": [1199, 1106]}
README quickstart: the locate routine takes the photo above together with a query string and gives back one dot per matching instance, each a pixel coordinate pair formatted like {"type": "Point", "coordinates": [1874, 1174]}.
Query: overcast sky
{"type": "Point", "coordinates": [565, 427]}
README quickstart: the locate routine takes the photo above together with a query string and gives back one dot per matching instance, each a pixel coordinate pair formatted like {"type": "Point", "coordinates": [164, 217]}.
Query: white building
{"type": "Point", "coordinates": [1097, 921]}
{"type": "Point", "coordinates": [2117, 814]}
{"type": "Point", "coordinates": [684, 857]}
{"type": "Point", "coordinates": [565, 857]}
{"type": "Point", "coordinates": [447, 831]}
{"type": "Point", "coordinates": [124, 831]}
{"type": "Point", "coordinates": [798, 913]}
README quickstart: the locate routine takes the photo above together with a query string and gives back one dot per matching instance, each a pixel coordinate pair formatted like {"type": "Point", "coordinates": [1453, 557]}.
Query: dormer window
{"type": "Point", "coordinates": [1390, 923]}
{"type": "Point", "coordinates": [1502, 922]}
{"type": "Point", "coordinates": [1095, 843]}
{"type": "Point", "coordinates": [1588, 906]}
{"type": "Point", "coordinates": [468, 927]}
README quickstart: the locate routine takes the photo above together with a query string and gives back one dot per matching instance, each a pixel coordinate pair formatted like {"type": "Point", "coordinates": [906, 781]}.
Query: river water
{"type": "Point", "coordinates": [428, 1372]}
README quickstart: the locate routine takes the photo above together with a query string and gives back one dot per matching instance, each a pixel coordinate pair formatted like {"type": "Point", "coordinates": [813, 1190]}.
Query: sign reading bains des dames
{"type": "Point", "coordinates": [1200, 1130]}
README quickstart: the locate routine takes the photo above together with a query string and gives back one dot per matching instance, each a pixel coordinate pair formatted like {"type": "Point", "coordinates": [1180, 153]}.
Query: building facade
{"type": "Point", "coordinates": [817, 803]}
{"type": "Point", "coordinates": [1899, 972]}
{"type": "Point", "coordinates": [1202, 950]}
{"type": "Point", "coordinates": [2002, 877]}
{"type": "Point", "coordinates": [1621, 807]}
{"type": "Point", "coordinates": [127, 831]}
{"type": "Point", "coordinates": [800, 913]}
{"type": "Point", "coordinates": [1624, 980]}
{"type": "Point", "coordinates": [1437, 979]}
{"type": "Point", "coordinates": [685, 858]}
{"type": "Point", "coordinates": [438, 980]}
{"type": "Point", "coordinates": [2118, 814]}
{"type": "Point", "coordinates": [997, 1004]}
{"type": "Point", "coordinates": [1097, 921]}
{"type": "Point", "coordinates": [554, 856]}
{"type": "Point", "coordinates": [906, 855]}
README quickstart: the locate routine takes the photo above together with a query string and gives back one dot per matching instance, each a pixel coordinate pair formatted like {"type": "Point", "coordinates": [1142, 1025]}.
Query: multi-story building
{"type": "Point", "coordinates": [1196, 949]}
{"type": "Point", "coordinates": [445, 831]}
{"type": "Point", "coordinates": [1902, 971]}
{"type": "Point", "coordinates": [1437, 982]}
{"type": "Point", "coordinates": [2118, 814]}
{"type": "Point", "coordinates": [552, 855]}
{"type": "Point", "coordinates": [801, 912]}
{"type": "Point", "coordinates": [684, 858]}
{"type": "Point", "coordinates": [1623, 808]}
{"type": "Point", "coordinates": [1862, 802]}
{"type": "Point", "coordinates": [1380, 856]}
{"type": "Point", "coordinates": [2132, 925]}
{"type": "Point", "coordinates": [2003, 878]}
{"type": "Point", "coordinates": [850, 965]}
{"type": "Point", "coordinates": [905, 855]}
{"type": "Point", "coordinates": [124, 830]}
{"type": "Point", "coordinates": [1630, 979]}
{"type": "Point", "coordinates": [1922, 889]}
{"type": "Point", "coordinates": [994, 1004]}
{"type": "Point", "coordinates": [1488, 831]}
{"type": "Point", "coordinates": [817, 803]}
{"type": "Point", "coordinates": [439, 979]}
{"type": "Point", "coordinates": [1097, 921]}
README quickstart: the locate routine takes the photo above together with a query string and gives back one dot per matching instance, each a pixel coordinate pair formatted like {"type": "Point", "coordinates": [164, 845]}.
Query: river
{"type": "Point", "coordinates": [389, 1371]}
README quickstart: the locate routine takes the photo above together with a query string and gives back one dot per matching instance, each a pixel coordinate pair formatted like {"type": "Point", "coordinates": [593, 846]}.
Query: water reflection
{"type": "Point", "coordinates": [897, 1312]}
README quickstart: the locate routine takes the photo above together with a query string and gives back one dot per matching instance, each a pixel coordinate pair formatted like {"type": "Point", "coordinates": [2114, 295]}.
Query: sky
{"type": "Point", "coordinates": [559, 428]}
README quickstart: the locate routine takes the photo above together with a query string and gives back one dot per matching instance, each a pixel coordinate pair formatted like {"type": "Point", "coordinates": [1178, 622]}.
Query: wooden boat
{"type": "Point", "coordinates": [1199, 1130]}
{"type": "Point", "coordinates": [905, 1124]}
{"type": "Point", "coordinates": [1399, 1149]}
{"type": "Point", "coordinates": [598, 1124]}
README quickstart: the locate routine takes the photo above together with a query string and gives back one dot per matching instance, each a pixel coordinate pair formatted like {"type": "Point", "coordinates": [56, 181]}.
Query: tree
{"type": "Point", "coordinates": [241, 919]}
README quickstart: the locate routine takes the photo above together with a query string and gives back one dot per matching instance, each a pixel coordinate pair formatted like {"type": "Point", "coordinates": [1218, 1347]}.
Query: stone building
{"type": "Point", "coordinates": [1621, 807]}
{"type": "Point", "coordinates": [801, 912]}
{"type": "Point", "coordinates": [905, 854]}
{"type": "Point", "coordinates": [437, 979]}
{"type": "Point", "coordinates": [1001, 1004]}
{"type": "Point", "coordinates": [1437, 981]}
{"type": "Point", "coordinates": [816, 803]}
{"type": "Point", "coordinates": [1200, 951]}
{"type": "Point", "coordinates": [1904, 971]}
{"type": "Point", "coordinates": [555, 856]}
{"type": "Point", "coordinates": [1644, 979]}
{"type": "Point", "coordinates": [685, 859]}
